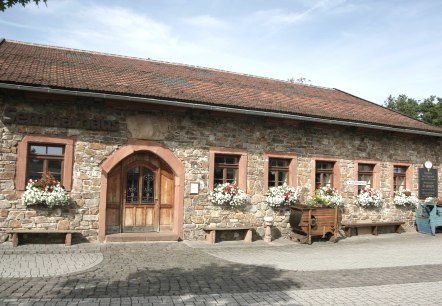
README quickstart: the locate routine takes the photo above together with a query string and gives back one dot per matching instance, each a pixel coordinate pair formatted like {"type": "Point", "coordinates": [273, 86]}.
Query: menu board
{"type": "Point", "coordinates": [427, 183]}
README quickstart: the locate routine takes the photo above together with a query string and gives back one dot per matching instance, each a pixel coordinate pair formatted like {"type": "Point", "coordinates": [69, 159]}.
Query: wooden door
{"type": "Point", "coordinates": [140, 195]}
{"type": "Point", "coordinates": [113, 201]}
{"type": "Point", "coordinates": [140, 199]}
{"type": "Point", "coordinates": [166, 200]}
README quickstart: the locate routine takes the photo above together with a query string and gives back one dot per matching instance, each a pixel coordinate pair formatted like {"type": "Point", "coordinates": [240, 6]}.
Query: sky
{"type": "Point", "coordinates": [368, 48]}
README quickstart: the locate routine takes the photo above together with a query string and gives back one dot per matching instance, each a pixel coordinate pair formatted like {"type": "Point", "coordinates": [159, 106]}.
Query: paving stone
{"type": "Point", "coordinates": [228, 274]}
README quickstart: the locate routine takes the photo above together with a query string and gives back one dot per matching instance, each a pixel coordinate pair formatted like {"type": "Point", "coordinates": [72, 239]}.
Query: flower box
{"type": "Point", "coordinates": [282, 196]}
{"type": "Point", "coordinates": [228, 194]}
{"type": "Point", "coordinates": [405, 198]}
{"type": "Point", "coordinates": [326, 197]}
{"type": "Point", "coordinates": [369, 197]}
{"type": "Point", "coordinates": [46, 191]}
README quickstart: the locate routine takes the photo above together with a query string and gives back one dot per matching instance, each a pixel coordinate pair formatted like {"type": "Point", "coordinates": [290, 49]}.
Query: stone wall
{"type": "Point", "coordinates": [189, 135]}
{"type": "Point", "coordinates": [91, 148]}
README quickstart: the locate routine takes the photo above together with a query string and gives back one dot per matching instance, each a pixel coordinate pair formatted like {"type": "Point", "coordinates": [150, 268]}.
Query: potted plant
{"type": "Point", "coordinates": [432, 201]}
{"type": "Point", "coordinates": [326, 197]}
{"type": "Point", "coordinates": [282, 195]}
{"type": "Point", "coordinates": [228, 194]}
{"type": "Point", "coordinates": [405, 198]}
{"type": "Point", "coordinates": [369, 197]}
{"type": "Point", "coordinates": [46, 191]}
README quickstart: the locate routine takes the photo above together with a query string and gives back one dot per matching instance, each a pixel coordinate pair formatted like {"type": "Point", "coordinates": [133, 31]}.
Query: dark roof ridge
{"type": "Point", "coordinates": [164, 62]}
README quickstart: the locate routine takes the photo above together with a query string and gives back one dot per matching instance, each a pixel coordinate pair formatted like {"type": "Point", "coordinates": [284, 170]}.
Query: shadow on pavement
{"type": "Point", "coordinates": [213, 279]}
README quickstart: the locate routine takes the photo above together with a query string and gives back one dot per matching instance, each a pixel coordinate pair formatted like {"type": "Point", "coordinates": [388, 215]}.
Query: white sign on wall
{"type": "Point", "coordinates": [194, 188]}
{"type": "Point", "coordinates": [357, 183]}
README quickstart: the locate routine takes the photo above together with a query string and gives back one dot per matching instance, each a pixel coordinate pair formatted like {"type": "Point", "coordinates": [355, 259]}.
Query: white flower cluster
{"type": "Point", "coordinates": [369, 197]}
{"type": "Point", "coordinates": [282, 195]}
{"type": "Point", "coordinates": [228, 194]}
{"type": "Point", "coordinates": [430, 200]}
{"type": "Point", "coordinates": [50, 196]}
{"type": "Point", "coordinates": [332, 196]}
{"type": "Point", "coordinates": [401, 198]}
{"type": "Point", "coordinates": [326, 197]}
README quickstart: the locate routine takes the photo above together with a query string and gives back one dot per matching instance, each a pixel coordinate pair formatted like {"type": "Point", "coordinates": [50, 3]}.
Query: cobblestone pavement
{"type": "Point", "coordinates": [389, 269]}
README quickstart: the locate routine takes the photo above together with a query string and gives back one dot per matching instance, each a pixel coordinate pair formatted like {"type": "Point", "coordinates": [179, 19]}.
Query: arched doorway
{"type": "Point", "coordinates": [142, 194]}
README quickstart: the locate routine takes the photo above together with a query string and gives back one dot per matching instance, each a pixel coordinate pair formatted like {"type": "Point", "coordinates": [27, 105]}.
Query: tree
{"type": "Point", "coordinates": [403, 104]}
{"type": "Point", "coordinates": [9, 3]}
{"type": "Point", "coordinates": [431, 110]}
{"type": "Point", "coordinates": [428, 110]}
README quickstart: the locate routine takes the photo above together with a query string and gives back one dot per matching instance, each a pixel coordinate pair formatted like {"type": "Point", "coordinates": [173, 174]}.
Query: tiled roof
{"type": "Point", "coordinates": [46, 66]}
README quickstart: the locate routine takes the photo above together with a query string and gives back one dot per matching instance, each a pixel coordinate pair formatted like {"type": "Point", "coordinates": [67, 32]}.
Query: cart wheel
{"type": "Point", "coordinates": [328, 236]}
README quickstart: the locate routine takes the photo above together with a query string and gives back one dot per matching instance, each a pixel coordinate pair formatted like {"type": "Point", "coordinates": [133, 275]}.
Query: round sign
{"type": "Point", "coordinates": [428, 164]}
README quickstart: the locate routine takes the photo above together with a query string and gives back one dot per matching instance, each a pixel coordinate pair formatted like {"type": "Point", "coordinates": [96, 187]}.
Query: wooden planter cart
{"type": "Point", "coordinates": [307, 222]}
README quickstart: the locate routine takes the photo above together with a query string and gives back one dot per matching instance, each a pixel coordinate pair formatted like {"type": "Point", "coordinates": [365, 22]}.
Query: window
{"type": "Point", "coordinates": [140, 184]}
{"type": "Point", "coordinates": [366, 174]}
{"type": "Point", "coordinates": [402, 176]}
{"type": "Point", "coordinates": [37, 155]}
{"type": "Point", "coordinates": [368, 171]}
{"type": "Point", "coordinates": [43, 159]}
{"type": "Point", "coordinates": [324, 174]}
{"type": "Point", "coordinates": [399, 178]}
{"type": "Point", "coordinates": [227, 165]}
{"type": "Point", "coordinates": [278, 171]}
{"type": "Point", "coordinates": [279, 168]}
{"type": "Point", "coordinates": [226, 169]}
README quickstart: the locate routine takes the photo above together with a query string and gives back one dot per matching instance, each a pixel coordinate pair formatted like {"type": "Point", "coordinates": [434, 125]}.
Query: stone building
{"type": "Point", "coordinates": [139, 144]}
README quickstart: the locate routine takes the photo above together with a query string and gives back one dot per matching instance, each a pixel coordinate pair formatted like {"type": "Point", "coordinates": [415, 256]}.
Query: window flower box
{"type": "Point", "coordinates": [326, 197]}
{"type": "Point", "coordinates": [46, 191]}
{"type": "Point", "coordinates": [405, 198]}
{"type": "Point", "coordinates": [369, 197]}
{"type": "Point", "coordinates": [282, 195]}
{"type": "Point", "coordinates": [228, 194]}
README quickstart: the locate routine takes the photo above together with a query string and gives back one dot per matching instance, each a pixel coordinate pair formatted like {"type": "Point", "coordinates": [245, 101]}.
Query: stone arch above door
{"type": "Point", "coordinates": [132, 147]}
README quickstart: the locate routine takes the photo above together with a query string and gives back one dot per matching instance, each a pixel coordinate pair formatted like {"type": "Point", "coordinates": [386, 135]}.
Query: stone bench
{"type": "Point", "coordinates": [373, 225]}
{"type": "Point", "coordinates": [211, 232]}
{"type": "Point", "coordinates": [67, 241]}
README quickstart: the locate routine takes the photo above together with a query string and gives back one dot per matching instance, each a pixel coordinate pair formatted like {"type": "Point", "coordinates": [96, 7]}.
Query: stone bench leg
{"type": "Point", "coordinates": [210, 237]}
{"type": "Point", "coordinates": [14, 240]}
{"type": "Point", "coordinates": [374, 230]}
{"type": "Point", "coordinates": [68, 239]}
{"type": "Point", "coordinates": [248, 236]}
{"type": "Point", "coordinates": [347, 231]}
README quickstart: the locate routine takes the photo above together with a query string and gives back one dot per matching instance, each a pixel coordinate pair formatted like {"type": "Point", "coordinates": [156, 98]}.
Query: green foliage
{"type": "Point", "coordinates": [429, 110]}
{"type": "Point", "coordinates": [9, 3]}
{"type": "Point", "coordinates": [403, 104]}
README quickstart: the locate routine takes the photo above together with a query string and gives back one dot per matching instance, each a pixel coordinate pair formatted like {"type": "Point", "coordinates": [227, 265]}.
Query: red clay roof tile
{"type": "Point", "coordinates": [36, 65]}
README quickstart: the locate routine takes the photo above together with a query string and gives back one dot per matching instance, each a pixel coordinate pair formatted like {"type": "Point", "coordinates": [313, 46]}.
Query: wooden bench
{"type": "Point", "coordinates": [211, 232]}
{"type": "Point", "coordinates": [67, 241]}
{"type": "Point", "coordinates": [373, 225]}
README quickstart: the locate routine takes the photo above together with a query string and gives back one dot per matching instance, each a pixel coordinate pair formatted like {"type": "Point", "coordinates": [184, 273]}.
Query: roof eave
{"type": "Point", "coordinates": [186, 104]}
